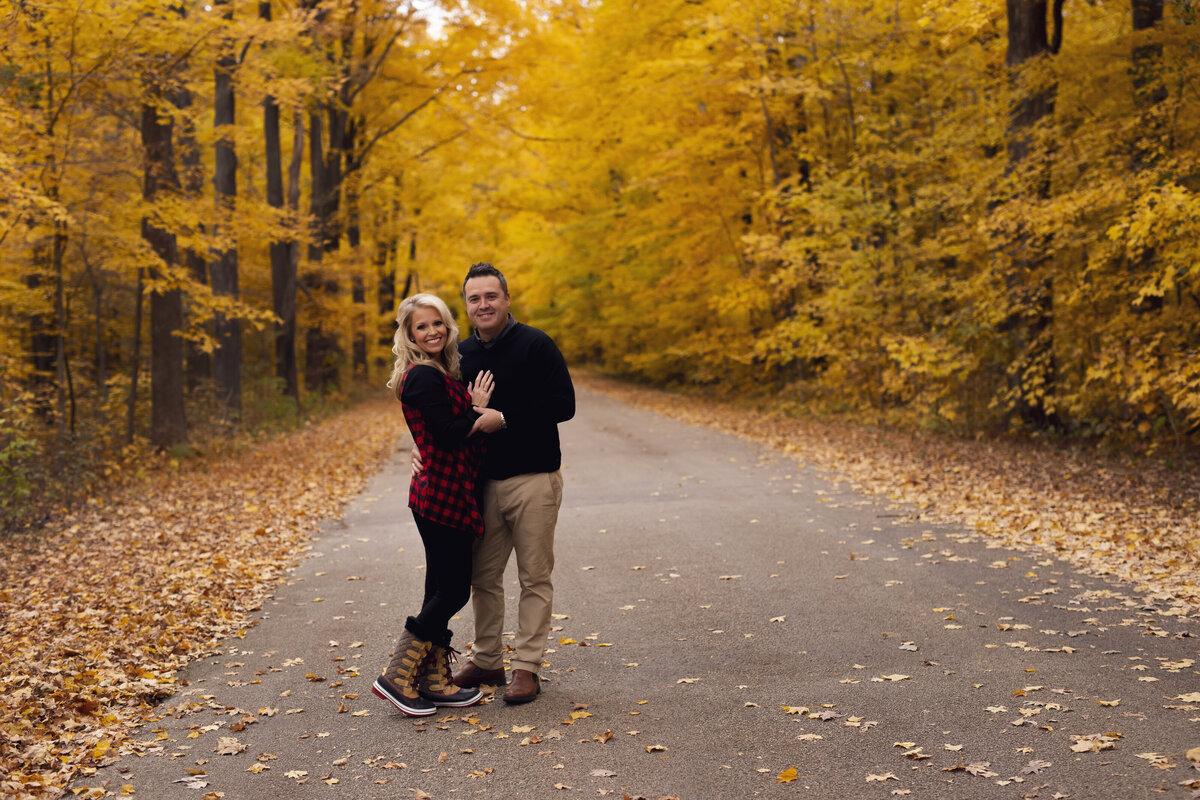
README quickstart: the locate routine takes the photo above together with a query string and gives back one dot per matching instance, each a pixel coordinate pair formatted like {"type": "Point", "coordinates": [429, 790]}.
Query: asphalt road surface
{"type": "Point", "coordinates": [726, 619]}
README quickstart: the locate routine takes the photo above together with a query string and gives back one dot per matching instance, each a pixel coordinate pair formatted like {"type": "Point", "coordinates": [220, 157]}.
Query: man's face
{"type": "Point", "coordinates": [487, 305]}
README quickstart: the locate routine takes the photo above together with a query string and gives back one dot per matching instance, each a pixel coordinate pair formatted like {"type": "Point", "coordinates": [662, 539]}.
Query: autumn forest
{"type": "Point", "coordinates": [969, 217]}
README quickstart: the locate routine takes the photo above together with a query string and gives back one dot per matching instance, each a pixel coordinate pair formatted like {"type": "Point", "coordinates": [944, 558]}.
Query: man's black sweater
{"type": "Point", "coordinates": [533, 391]}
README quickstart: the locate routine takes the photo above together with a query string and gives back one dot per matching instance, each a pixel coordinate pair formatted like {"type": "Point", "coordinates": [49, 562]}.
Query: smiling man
{"type": "Point", "coordinates": [523, 482]}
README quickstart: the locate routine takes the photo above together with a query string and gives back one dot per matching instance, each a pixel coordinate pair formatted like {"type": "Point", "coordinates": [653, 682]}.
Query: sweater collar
{"type": "Point", "coordinates": [490, 343]}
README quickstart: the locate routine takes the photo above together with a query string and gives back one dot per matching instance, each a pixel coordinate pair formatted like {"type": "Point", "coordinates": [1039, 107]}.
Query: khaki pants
{"type": "Point", "coordinates": [519, 514]}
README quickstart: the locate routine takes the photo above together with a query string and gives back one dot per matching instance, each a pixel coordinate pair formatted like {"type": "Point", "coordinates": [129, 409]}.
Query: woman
{"type": "Point", "coordinates": [445, 419]}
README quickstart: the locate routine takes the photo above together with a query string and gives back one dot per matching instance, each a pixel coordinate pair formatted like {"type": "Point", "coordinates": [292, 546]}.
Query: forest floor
{"type": "Point", "coordinates": [102, 611]}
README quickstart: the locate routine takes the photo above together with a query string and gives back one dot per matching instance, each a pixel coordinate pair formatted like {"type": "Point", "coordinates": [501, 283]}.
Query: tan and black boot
{"type": "Point", "coordinates": [436, 683]}
{"type": "Point", "coordinates": [398, 684]}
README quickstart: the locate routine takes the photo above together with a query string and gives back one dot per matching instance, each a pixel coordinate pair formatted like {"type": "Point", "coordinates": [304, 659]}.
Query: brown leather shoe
{"type": "Point", "coordinates": [471, 676]}
{"type": "Point", "coordinates": [524, 687]}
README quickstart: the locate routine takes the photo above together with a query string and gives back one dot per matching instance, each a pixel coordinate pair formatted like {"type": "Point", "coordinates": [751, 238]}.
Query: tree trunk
{"type": "Point", "coordinates": [385, 276]}
{"type": "Point", "coordinates": [168, 425]}
{"type": "Point", "coordinates": [100, 352]}
{"type": "Point", "coordinates": [199, 362]}
{"type": "Point", "coordinates": [1030, 289]}
{"type": "Point", "coordinates": [358, 290]}
{"type": "Point", "coordinates": [43, 338]}
{"type": "Point", "coordinates": [283, 273]}
{"type": "Point", "coordinates": [135, 358]}
{"type": "Point", "coordinates": [227, 358]}
{"type": "Point", "coordinates": [322, 352]}
{"type": "Point", "coordinates": [62, 378]}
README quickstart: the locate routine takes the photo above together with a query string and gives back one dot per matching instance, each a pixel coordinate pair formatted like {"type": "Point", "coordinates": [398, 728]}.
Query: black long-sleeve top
{"type": "Point", "coordinates": [426, 389]}
{"type": "Point", "coordinates": [533, 391]}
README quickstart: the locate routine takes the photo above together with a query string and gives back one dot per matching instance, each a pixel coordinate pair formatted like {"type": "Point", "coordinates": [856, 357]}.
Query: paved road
{"type": "Point", "coordinates": [704, 584]}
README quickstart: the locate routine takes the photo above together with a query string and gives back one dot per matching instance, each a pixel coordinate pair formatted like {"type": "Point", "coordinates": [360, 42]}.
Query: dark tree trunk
{"type": "Point", "coordinates": [358, 290]}
{"type": "Point", "coordinates": [385, 272]}
{"type": "Point", "coordinates": [283, 270]}
{"type": "Point", "coordinates": [199, 362]}
{"type": "Point", "coordinates": [47, 337]}
{"type": "Point", "coordinates": [43, 338]}
{"type": "Point", "coordinates": [100, 352]}
{"type": "Point", "coordinates": [322, 351]}
{"type": "Point", "coordinates": [293, 203]}
{"type": "Point", "coordinates": [135, 358]}
{"type": "Point", "coordinates": [328, 132]}
{"type": "Point", "coordinates": [62, 378]}
{"type": "Point", "coordinates": [295, 167]}
{"type": "Point", "coordinates": [167, 422]}
{"type": "Point", "coordinates": [227, 358]}
{"type": "Point", "coordinates": [1030, 289]}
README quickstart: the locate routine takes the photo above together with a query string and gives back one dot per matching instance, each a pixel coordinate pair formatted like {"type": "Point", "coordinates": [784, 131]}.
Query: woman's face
{"type": "Point", "coordinates": [428, 330]}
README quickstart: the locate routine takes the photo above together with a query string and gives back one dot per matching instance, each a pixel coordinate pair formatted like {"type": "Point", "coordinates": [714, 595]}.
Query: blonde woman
{"type": "Point", "coordinates": [445, 419]}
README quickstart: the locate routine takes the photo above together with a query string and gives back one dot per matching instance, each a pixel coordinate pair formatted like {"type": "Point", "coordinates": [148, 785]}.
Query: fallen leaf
{"type": "Point", "coordinates": [982, 769]}
{"type": "Point", "coordinates": [1093, 743]}
{"type": "Point", "coordinates": [229, 746]}
{"type": "Point", "coordinates": [1157, 759]}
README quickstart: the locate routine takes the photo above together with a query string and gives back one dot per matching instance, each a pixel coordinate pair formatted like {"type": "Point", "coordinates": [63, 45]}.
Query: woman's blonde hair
{"type": "Point", "coordinates": [409, 353]}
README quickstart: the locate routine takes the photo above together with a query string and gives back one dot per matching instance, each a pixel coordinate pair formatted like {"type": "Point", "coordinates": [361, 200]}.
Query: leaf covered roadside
{"type": "Point", "coordinates": [103, 610]}
{"type": "Point", "coordinates": [1139, 523]}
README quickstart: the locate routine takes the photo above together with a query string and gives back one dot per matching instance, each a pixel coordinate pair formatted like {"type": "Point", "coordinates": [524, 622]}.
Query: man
{"type": "Point", "coordinates": [523, 482]}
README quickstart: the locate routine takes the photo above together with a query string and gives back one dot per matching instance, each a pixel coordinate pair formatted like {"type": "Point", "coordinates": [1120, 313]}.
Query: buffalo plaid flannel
{"type": "Point", "coordinates": [446, 489]}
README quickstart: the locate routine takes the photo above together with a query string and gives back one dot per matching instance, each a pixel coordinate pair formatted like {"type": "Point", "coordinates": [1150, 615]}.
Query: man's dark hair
{"type": "Point", "coordinates": [482, 269]}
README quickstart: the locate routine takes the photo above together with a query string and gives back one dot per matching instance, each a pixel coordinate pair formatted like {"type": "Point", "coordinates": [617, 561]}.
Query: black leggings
{"type": "Point", "coordinates": [447, 578]}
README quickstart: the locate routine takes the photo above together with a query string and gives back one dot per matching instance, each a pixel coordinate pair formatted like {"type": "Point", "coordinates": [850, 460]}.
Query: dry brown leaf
{"type": "Point", "coordinates": [180, 571]}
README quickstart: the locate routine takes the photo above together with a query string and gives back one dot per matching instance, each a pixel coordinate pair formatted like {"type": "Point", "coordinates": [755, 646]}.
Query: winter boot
{"type": "Point", "coordinates": [437, 679]}
{"type": "Point", "coordinates": [398, 684]}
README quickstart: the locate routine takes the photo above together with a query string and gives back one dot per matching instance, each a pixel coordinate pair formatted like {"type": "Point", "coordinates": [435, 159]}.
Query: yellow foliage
{"type": "Point", "coordinates": [746, 195]}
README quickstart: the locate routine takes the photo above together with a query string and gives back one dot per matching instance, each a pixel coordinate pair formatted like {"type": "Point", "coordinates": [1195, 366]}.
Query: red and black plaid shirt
{"type": "Point", "coordinates": [446, 489]}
